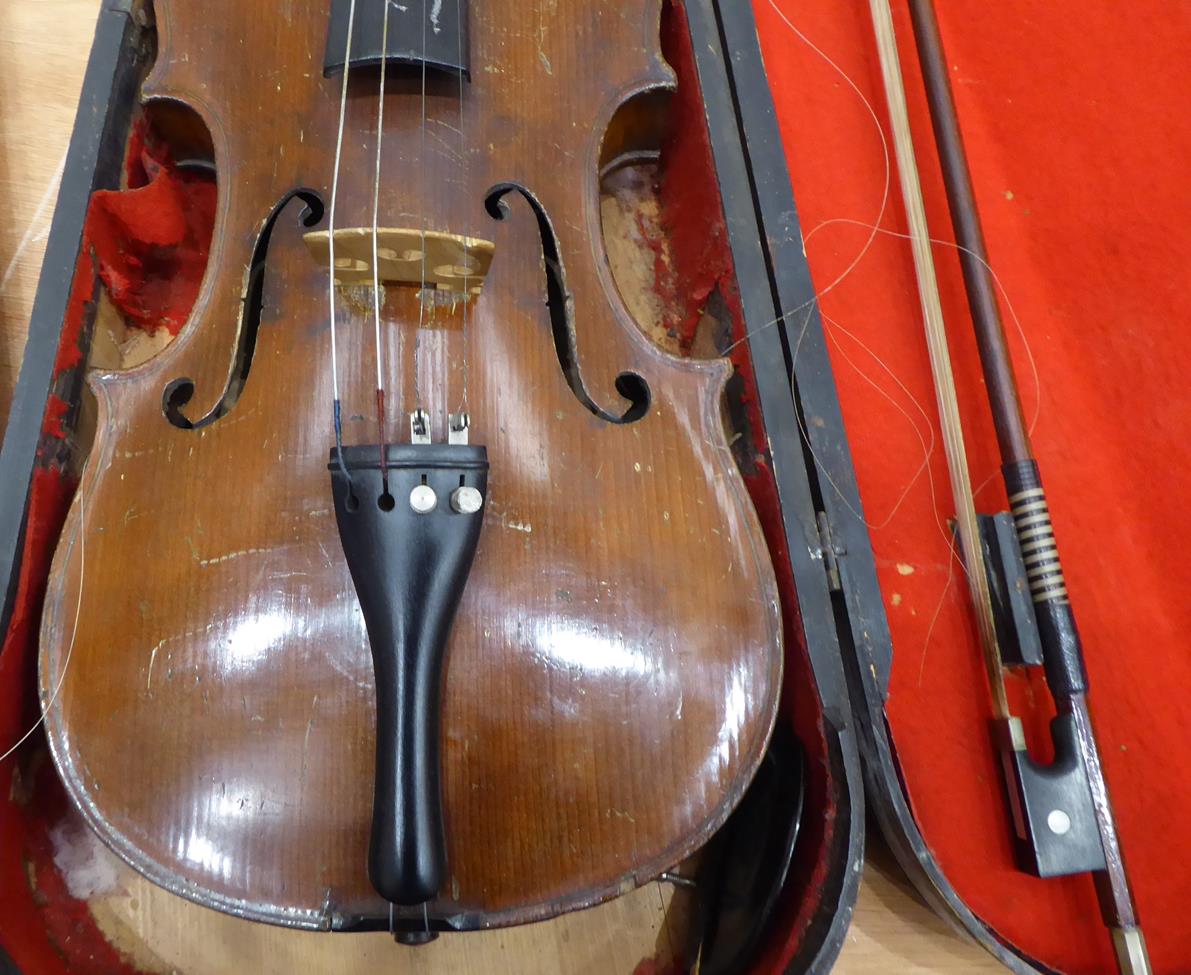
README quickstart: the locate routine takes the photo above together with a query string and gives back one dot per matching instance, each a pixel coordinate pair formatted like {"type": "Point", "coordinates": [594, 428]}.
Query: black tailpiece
{"type": "Point", "coordinates": [409, 550]}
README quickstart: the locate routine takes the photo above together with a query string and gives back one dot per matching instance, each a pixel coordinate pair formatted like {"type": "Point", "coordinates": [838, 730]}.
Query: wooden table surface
{"type": "Point", "coordinates": [43, 50]}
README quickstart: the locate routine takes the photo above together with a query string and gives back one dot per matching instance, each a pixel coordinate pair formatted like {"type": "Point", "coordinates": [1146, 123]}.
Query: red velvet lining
{"type": "Point", "coordinates": [1076, 124]}
{"type": "Point", "coordinates": [149, 245]}
{"type": "Point", "coordinates": [151, 240]}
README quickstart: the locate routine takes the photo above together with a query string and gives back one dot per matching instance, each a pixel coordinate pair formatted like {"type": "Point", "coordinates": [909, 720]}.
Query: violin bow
{"type": "Point", "coordinates": [1062, 814]}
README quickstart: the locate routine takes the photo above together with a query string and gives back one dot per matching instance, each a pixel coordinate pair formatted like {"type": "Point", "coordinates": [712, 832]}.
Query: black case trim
{"type": "Point", "coordinates": [773, 276]}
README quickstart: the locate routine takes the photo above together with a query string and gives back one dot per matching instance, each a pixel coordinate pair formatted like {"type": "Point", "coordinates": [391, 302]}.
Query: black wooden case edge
{"type": "Point", "coordinates": [772, 276]}
{"type": "Point", "coordinates": [93, 161]}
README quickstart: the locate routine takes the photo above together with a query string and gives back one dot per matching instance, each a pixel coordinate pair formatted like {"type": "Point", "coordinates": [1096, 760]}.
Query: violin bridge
{"type": "Point", "coordinates": [432, 259]}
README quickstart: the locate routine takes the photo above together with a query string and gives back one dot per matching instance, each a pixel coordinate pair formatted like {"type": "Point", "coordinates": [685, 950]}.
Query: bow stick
{"type": "Point", "coordinates": [1062, 813]}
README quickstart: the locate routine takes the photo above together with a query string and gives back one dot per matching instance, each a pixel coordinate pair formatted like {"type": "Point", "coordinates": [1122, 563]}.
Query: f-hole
{"type": "Point", "coordinates": [559, 302]}
{"type": "Point", "coordinates": [179, 392]}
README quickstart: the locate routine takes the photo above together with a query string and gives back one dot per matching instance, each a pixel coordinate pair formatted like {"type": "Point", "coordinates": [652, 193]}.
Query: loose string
{"type": "Point", "coordinates": [805, 325]}
{"type": "Point", "coordinates": [376, 296]}
{"type": "Point", "coordinates": [874, 227]}
{"type": "Point", "coordinates": [924, 468]}
{"type": "Point", "coordinates": [809, 307]}
{"type": "Point", "coordinates": [338, 410]}
{"type": "Point", "coordinates": [74, 632]}
{"type": "Point", "coordinates": [997, 283]}
{"type": "Point", "coordinates": [928, 449]}
{"type": "Point", "coordinates": [813, 299]}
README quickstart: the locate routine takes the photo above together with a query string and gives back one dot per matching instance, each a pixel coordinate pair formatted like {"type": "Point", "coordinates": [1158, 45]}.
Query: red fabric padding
{"type": "Point", "coordinates": [151, 239]}
{"type": "Point", "coordinates": [1076, 122]}
{"type": "Point", "coordinates": [149, 245]}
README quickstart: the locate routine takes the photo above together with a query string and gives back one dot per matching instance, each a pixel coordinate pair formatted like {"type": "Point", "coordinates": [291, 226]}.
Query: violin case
{"type": "Point", "coordinates": [835, 391]}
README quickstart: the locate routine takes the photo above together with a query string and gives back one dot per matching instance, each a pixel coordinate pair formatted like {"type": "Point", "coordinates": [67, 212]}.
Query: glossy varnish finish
{"type": "Point", "coordinates": [614, 667]}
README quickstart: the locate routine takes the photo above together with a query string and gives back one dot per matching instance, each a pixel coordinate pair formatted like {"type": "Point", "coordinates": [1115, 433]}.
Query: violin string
{"type": "Point", "coordinates": [952, 559]}
{"type": "Point", "coordinates": [376, 295]}
{"type": "Point", "coordinates": [813, 299]}
{"type": "Point", "coordinates": [459, 15]}
{"type": "Point", "coordinates": [810, 304]}
{"type": "Point", "coordinates": [928, 448]}
{"type": "Point", "coordinates": [338, 410]}
{"type": "Point", "coordinates": [875, 228]}
{"type": "Point", "coordinates": [74, 632]}
{"type": "Point", "coordinates": [1027, 349]}
{"type": "Point", "coordinates": [422, 289]}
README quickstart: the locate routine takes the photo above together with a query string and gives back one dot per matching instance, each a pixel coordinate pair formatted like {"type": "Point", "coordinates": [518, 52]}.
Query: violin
{"type": "Point", "coordinates": [413, 584]}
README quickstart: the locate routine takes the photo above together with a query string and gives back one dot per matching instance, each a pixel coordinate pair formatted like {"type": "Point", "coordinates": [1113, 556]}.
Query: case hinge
{"type": "Point", "coordinates": [831, 551]}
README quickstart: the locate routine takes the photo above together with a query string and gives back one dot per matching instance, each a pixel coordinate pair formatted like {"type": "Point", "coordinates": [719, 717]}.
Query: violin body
{"type": "Point", "coordinates": [612, 672]}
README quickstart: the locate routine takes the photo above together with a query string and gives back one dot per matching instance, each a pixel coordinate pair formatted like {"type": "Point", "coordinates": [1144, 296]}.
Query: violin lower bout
{"type": "Point", "coordinates": [611, 677]}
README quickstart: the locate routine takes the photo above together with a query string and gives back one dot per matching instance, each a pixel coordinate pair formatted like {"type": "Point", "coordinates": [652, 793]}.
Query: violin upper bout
{"type": "Point", "coordinates": [226, 55]}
